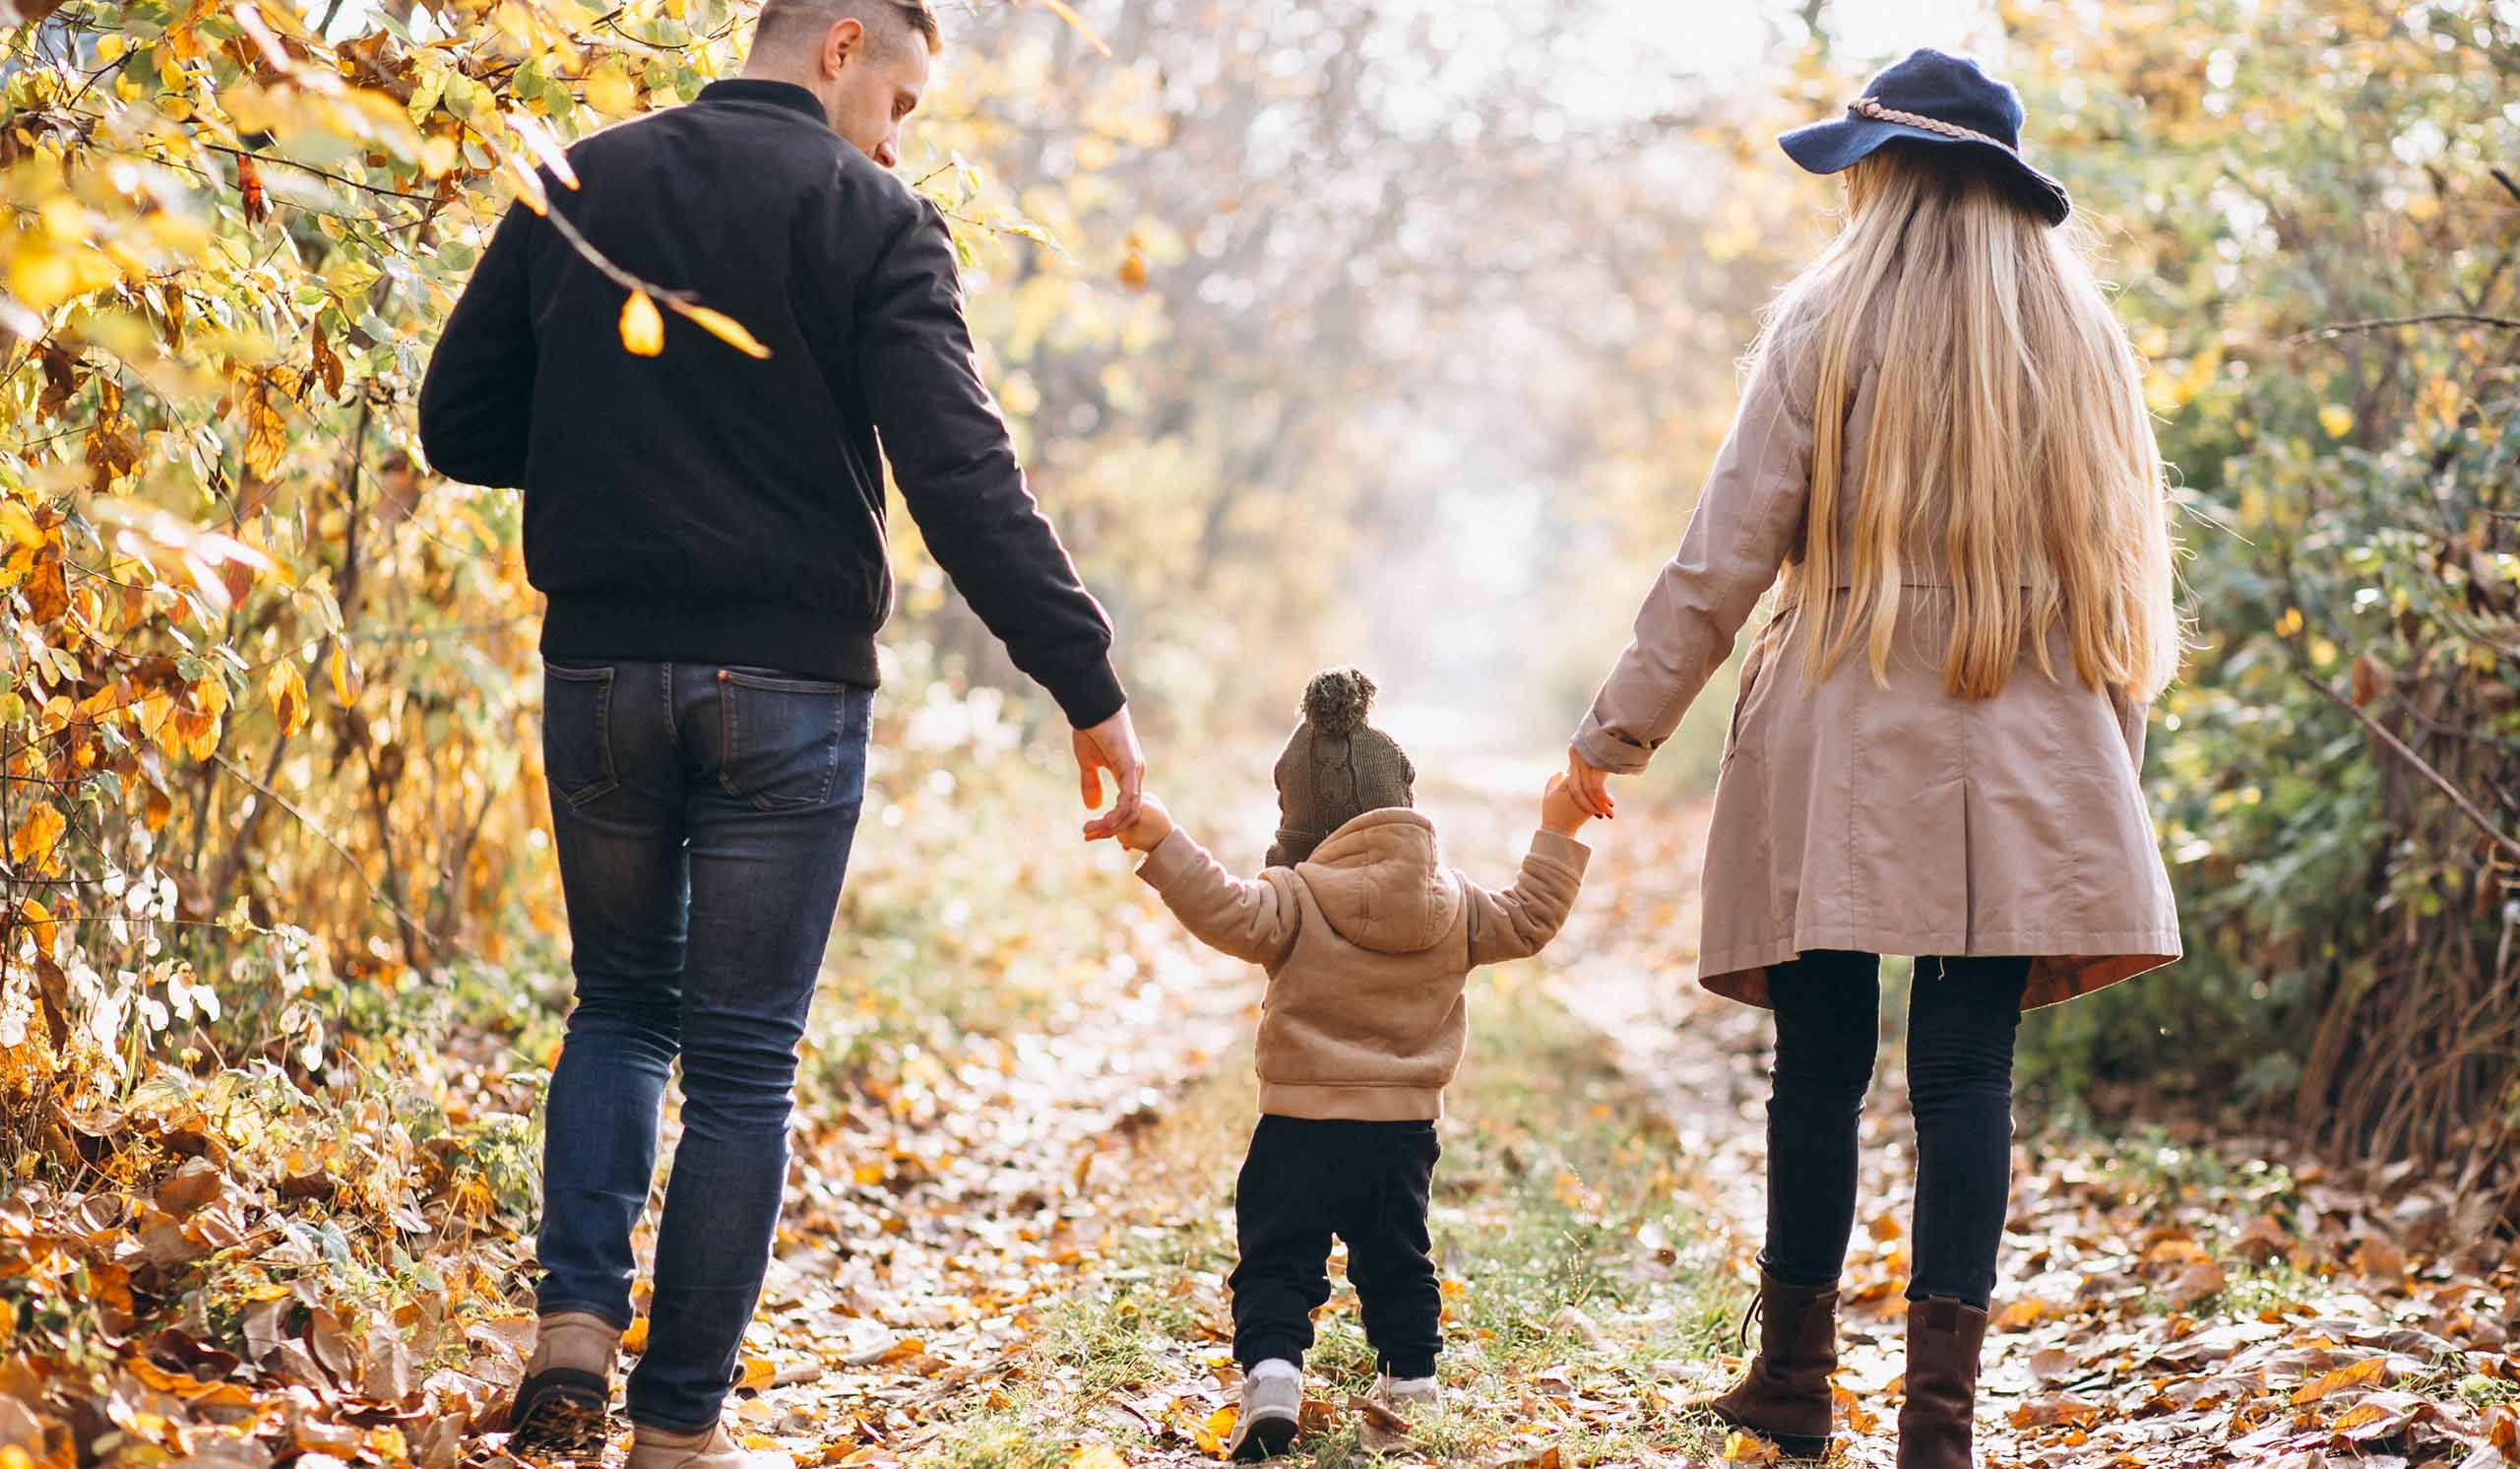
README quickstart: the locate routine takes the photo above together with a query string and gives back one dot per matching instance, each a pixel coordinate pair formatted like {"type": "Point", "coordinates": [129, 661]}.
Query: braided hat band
{"type": "Point", "coordinates": [1872, 108]}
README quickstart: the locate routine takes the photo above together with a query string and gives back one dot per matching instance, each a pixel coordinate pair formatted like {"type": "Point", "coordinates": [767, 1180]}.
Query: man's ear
{"type": "Point", "coordinates": [843, 43]}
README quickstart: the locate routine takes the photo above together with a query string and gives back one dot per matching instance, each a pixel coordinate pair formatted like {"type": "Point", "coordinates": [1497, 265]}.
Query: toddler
{"type": "Point", "coordinates": [1367, 938]}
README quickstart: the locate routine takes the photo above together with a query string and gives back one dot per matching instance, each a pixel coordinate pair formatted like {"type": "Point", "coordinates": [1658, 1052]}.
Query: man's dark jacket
{"type": "Point", "coordinates": [705, 506]}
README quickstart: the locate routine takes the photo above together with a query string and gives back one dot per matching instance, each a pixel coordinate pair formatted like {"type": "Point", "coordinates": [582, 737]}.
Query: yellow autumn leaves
{"type": "Point", "coordinates": [642, 329]}
{"type": "Point", "coordinates": [81, 232]}
{"type": "Point", "coordinates": [37, 839]}
{"type": "Point", "coordinates": [2437, 405]}
{"type": "Point", "coordinates": [724, 328]}
{"type": "Point", "coordinates": [286, 688]}
{"type": "Point", "coordinates": [191, 724]}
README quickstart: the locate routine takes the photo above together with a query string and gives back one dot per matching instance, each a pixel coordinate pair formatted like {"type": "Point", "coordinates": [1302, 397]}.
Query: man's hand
{"type": "Point", "coordinates": [1591, 785]}
{"type": "Point", "coordinates": [1559, 810]}
{"type": "Point", "coordinates": [1110, 745]}
{"type": "Point", "coordinates": [1153, 825]}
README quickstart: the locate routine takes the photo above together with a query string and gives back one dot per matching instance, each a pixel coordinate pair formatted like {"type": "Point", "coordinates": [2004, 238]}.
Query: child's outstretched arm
{"type": "Point", "coordinates": [1519, 922]}
{"type": "Point", "coordinates": [1254, 920]}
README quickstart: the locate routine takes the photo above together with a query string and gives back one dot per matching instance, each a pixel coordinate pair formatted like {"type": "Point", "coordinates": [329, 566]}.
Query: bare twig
{"type": "Point", "coordinates": [241, 841]}
{"type": "Point", "coordinates": [2506, 181]}
{"type": "Point", "coordinates": [270, 158]}
{"type": "Point", "coordinates": [2403, 751]}
{"type": "Point", "coordinates": [592, 256]}
{"type": "Point", "coordinates": [338, 178]}
{"type": "Point", "coordinates": [357, 868]}
{"type": "Point", "coordinates": [415, 928]}
{"type": "Point", "coordinates": [2380, 323]}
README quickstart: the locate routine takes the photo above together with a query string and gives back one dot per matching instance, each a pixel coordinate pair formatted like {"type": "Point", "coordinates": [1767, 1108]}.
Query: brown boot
{"type": "Point", "coordinates": [1935, 1422]}
{"type": "Point", "coordinates": [710, 1449]}
{"type": "Point", "coordinates": [568, 1384]}
{"type": "Point", "coordinates": [1785, 1395]}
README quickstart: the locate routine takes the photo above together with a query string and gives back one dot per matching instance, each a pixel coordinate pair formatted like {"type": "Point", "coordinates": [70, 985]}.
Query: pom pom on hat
{"type": "Point", "coordinates": [1337, 701]}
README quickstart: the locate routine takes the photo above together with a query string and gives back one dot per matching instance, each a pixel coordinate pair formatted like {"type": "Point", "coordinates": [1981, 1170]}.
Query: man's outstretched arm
{"type": "Point", "coordinates": [477, 402]}
{"type": "Point", "coordinates": [956, 465]}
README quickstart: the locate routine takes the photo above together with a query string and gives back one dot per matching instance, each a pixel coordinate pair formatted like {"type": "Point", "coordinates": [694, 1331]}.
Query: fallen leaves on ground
{"type": "Point", "coordinates": [2190, 1301]}
{"type": "Point", "coordinates": [249, 1275]}
{"type": "Point", "coordinates": [240, 1287]}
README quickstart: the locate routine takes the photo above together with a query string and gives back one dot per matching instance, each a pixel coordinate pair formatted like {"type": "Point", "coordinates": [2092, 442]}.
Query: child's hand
{"type": "Point", "coordinates": [1559, 810]}
{"type": "Point", "coordinates": [1152, 824]}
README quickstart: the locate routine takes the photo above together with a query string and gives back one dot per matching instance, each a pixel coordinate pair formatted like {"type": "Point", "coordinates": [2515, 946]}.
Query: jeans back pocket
{"type": "Point", "coordinates": [577, 731]}
{"type": "Point", "coordinates": [784, 738]}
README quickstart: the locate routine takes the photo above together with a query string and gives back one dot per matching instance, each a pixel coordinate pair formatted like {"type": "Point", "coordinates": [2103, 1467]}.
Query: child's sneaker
{"type": "Point", "coordinates": [1271, 1406]}
{"type": "Point", "coordinates": [1413, 1397]}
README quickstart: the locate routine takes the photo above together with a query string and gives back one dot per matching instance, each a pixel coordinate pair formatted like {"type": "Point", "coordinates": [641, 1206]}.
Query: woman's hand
{"type": "Point", "coordinates": [1591, 785]}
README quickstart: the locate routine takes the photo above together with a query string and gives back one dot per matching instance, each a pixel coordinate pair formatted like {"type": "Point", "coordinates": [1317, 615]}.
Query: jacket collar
{"type": "Point", "coordinates": [757, 90]}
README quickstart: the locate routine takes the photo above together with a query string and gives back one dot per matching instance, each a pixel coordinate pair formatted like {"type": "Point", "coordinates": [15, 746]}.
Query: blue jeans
{"type": "Point", "coordinates": [703, 816]}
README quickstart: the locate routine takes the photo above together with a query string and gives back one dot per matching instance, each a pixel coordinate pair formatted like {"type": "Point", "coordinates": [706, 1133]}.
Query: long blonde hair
{"type": "Point", "coordinates": [2008, 418]}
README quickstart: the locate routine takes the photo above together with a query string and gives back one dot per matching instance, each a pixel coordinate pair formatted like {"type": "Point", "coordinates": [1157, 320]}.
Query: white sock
{"type": "Point", "coordinates": [1273, 1366]}
{"type": "Point", "coordinates": [1407, 1385]}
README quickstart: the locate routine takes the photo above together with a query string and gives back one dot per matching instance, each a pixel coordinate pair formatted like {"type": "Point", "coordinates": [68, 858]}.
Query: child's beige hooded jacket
{"type": "Point", "coordinates": [1367, 945]}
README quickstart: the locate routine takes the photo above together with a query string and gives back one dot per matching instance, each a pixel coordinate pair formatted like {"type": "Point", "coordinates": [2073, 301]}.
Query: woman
{"type": "Point", "coordinates": [1943, 462]}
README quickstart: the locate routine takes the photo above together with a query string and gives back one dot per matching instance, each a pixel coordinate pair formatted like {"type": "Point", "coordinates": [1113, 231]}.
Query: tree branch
{"type": "Point", "coordinates": [357, 868]}
{"type": "Point", "coordinates": [338, 178]}
{"type": "Point", "coordinates": [2379, 323]}
{"type": "Point", "coordinates": [2403, 751]}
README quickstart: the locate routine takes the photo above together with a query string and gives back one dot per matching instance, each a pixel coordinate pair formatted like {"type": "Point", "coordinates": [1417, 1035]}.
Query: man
{"type": "Point", "coordinates": [709, 528]}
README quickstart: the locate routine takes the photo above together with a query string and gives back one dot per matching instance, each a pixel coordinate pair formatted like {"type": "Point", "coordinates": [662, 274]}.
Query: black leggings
{"type": "Point", "coordinates": [1961, 1020]}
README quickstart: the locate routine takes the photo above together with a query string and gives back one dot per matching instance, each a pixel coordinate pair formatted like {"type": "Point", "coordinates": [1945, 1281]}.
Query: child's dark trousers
{"type": "Point", "coordinates": [1307, 1180]}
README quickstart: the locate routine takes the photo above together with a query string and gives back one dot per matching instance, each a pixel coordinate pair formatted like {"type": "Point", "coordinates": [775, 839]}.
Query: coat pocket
{"type": "Point", "coordinates": [784, 738]}
{"type": "Point", "coordinates": [1754, 663]}
{"type": "Point", "coordinates": [577, 731]}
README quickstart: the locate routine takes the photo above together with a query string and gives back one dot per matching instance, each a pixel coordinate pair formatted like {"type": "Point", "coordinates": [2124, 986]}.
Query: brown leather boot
{"type": "Point", "coordinates": [711, 1448]}
{"type": "Point", "coordinates": [568, 1385]}
{"type": "Point", "coordinates": [1783, 1397]}
{"type": "Point", "coordinates": [1935, 1423]}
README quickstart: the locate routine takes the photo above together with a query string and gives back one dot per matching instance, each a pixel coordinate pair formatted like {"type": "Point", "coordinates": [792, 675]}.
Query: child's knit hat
{"type": "Point", "coordinates": [1334, 767]}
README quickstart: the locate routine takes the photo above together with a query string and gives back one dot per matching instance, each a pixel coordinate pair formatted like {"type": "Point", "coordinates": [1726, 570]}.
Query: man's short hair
{"type": "Point", "coordinates": [888, 23]}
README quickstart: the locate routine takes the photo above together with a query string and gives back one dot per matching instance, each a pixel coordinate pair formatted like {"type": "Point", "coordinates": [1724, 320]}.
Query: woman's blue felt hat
{"type": "Point", "coordinates": [1939, 99]}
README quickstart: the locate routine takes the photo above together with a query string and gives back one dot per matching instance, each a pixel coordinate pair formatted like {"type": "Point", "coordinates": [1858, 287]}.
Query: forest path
{"type": "Point", "coordinates": [1016, 1255]}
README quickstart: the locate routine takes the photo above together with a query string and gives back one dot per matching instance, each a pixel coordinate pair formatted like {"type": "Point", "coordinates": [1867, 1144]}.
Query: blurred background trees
{"type": "Point", "coordinates": [2314, 212]}
{"type": "Point", "coordinates": [1395, 332]}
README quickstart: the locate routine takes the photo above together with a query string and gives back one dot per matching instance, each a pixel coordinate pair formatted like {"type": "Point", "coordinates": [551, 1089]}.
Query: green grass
{"type": "Point", "coordinates": [1553, 1192]}
{"type": "Point", "coordinates": [2254, 1288]}
{"type": "Point", "coordinates": [999, 1438]}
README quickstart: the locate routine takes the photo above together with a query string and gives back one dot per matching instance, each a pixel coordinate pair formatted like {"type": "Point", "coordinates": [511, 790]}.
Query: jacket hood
{"type": "Point", "coordinates": [1381, 883]}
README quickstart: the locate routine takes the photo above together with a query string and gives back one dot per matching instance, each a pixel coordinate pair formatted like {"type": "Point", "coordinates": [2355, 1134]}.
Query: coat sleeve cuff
{"type": "Point", "coordinates": [1174, 857]}
{"type": "Point", "coordinates": [1087, 694]}
{"type": "Point", "coordinates": [1559, 847]}
{"type": "Point", "coordinates": [1603, 750]}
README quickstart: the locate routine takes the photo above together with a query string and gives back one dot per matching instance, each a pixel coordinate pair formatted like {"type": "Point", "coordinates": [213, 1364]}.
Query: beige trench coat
{"type": "Point", "coordinates": [1898, 821]}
